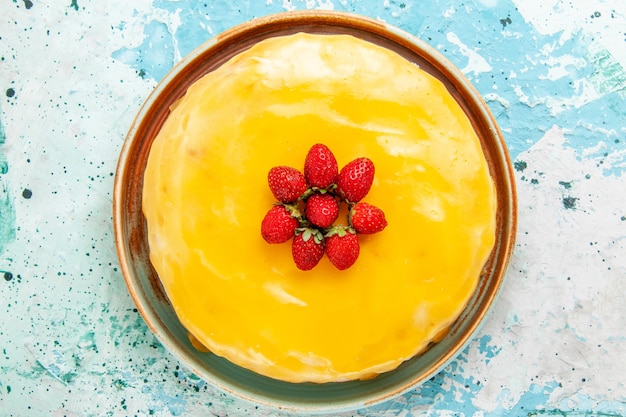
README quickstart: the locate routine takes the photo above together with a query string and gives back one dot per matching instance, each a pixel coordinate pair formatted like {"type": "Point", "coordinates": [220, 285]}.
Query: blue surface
{"type": "Point", "coordinates": [74, 74]}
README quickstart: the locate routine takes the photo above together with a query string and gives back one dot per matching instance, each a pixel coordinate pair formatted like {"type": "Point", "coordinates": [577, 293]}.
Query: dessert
{"type": "Point", "coordinates": [205, 195]}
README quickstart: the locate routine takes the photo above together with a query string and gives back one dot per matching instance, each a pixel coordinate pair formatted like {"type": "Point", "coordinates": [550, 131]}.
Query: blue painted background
{"type": "Point", "coordinates": [74, 73]}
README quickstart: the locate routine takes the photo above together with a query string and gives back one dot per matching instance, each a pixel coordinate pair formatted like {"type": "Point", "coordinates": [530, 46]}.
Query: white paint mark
{"type": "Point", "coordinates": [604, 21]}
{"type": "Point", "coordinates": [476, 64]}
{"type": "Point", "coordinates": [560, 317]}
{"type": "Point", "coordinates": [449, 12]}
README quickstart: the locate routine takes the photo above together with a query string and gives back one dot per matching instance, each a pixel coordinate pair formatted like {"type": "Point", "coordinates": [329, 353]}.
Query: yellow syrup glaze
{"type": "Point", "coordinates": [205, 194]}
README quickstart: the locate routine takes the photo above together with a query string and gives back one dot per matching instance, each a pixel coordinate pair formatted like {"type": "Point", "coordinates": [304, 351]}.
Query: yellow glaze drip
{"type": "Point", "coordinates": [205, 194]}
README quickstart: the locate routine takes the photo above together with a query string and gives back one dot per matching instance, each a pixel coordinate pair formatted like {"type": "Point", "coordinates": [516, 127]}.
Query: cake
{"type": "Point", "coordinates": [205, 194]}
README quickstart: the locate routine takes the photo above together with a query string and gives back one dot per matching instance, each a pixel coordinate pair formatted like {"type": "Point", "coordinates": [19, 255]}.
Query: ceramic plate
{"type": "Point", "coordinates": [143, 283]}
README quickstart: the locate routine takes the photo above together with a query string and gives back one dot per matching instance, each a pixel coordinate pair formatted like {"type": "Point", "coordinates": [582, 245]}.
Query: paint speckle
{"type": "Point", "coordinates": [520, 165]}
{"type": "Point", "coordinates": [10, 92]}
{"type": "Point", "coordinates": [74, 4]}
{"type": "Point", "coordinates": [8, 276]}
{"type": "Point", "coordinates": [28, 4]}
{"type": "Point", "coordinates": [27, 194]}
{"type": "Point", "coordinates": [506, 21]}
{"type": "Point", "coordinates": [565, 184]}
{"type": "Point", "coordinates": [569, 202]}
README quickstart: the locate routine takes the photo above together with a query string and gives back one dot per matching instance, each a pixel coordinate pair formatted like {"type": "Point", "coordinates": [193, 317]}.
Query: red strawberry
{"type": "Point", "coordinates": [286, 183]}
{"type": "Point", "coordinates": [355, 179]}
{"type": "Point", "coordinates": [320, 166]}
{"type": "Point", "coordinates": [322, 210]}
{"type": "Point", "coordinates": [366, 218]}
{"type": "Point", "coordinates": [307, 249]}
{"type": "Point", "coordinates": [278, 225]}
{"type": "Point", "coordinates": [342, 247]}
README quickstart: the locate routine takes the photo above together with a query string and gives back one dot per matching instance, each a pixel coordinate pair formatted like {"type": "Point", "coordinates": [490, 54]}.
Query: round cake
{"type": "Point", "coordinates": [205, 194]}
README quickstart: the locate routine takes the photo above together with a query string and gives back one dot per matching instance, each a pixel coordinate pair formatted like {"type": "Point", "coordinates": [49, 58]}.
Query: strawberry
{"type": "Point", "coordinates": [307, 249]}
{"type": "Point", "coordinates": [320, 167]}
{"type": "Point", "coordinates": [322, 210]}
{"type": "Point", "coordinates": [366, 218]}
{"type": "Point", "coordinates": [279, 224]}
{"type": "Point", "coordinates": [286, 183]}
{"type": "Point", "coordinates": [342, 247]}
{"type": "Point", "coordinates": [355, 179]}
